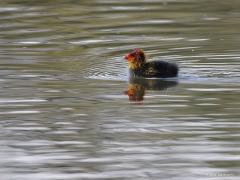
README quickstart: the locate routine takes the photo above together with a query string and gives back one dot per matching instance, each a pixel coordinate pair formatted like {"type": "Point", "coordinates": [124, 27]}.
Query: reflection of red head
{"type": "Point", "coordinates": [135, 92]}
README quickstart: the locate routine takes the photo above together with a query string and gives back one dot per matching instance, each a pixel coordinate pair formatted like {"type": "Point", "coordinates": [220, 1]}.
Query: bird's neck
{"type": "Point", "coordinates": [136, 69]}
{"type": "Point", "coordinates": [135, 66]}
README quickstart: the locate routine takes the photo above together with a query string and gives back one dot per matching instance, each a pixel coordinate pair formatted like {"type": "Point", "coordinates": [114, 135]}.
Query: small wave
{"type": "Point", "coordinates": [111, 69]}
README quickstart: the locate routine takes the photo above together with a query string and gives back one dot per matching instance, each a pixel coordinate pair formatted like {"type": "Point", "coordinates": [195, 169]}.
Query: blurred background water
{"type": "Point", "coordinates": [69, 111]}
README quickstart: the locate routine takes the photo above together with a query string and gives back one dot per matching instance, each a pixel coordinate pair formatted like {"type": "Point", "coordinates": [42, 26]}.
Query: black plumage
{"type": "Point", "coordinates": [158, 69]}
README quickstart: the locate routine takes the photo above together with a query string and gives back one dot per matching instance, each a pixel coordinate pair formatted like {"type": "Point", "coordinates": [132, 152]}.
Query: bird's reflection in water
{"type": "Point", "coordinates": [138, 86]}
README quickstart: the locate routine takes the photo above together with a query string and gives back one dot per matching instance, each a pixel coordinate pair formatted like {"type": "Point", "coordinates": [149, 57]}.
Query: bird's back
{"type": "Point", "coordinates": [161, 69]}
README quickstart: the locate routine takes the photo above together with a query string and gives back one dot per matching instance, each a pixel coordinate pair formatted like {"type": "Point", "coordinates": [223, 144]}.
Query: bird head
{"type": "Point", "coordinates": [135, 58]}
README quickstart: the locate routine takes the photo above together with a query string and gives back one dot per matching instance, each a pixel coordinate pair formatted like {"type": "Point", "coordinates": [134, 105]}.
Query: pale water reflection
{"type": "Point", "coordinates": [70, 111]}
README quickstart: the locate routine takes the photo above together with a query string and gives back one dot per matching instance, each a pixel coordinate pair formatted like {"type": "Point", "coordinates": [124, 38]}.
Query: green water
{"type": "Point", "coordinates": [65, 106]}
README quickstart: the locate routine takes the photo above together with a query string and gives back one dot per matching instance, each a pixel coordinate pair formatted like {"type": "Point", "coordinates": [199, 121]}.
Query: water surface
{"type": "Point", "coordinates": [69, 110]}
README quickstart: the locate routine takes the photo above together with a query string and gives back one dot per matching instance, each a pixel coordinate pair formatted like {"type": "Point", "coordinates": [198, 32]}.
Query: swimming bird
{"type": "Point", "coordinates": [140, 67]}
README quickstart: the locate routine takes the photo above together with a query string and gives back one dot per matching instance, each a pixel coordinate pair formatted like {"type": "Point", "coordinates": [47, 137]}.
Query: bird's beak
{"type": "Point", "coordinates": [129, 57]}
{"type": "Point", "coordinates": [126, 57]}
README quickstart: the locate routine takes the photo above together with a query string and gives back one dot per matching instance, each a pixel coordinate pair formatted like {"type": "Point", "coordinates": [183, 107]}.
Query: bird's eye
{"type": "Point", "coordinates": [142, 57]}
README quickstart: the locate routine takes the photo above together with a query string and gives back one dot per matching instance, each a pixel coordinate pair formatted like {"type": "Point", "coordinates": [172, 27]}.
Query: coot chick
{"type": "Point", "coordinates": [138, 66]}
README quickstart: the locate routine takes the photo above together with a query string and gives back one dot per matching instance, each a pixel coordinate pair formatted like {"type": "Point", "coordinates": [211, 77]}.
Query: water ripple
{"type": "Point", "coordinates": [65, 111]}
